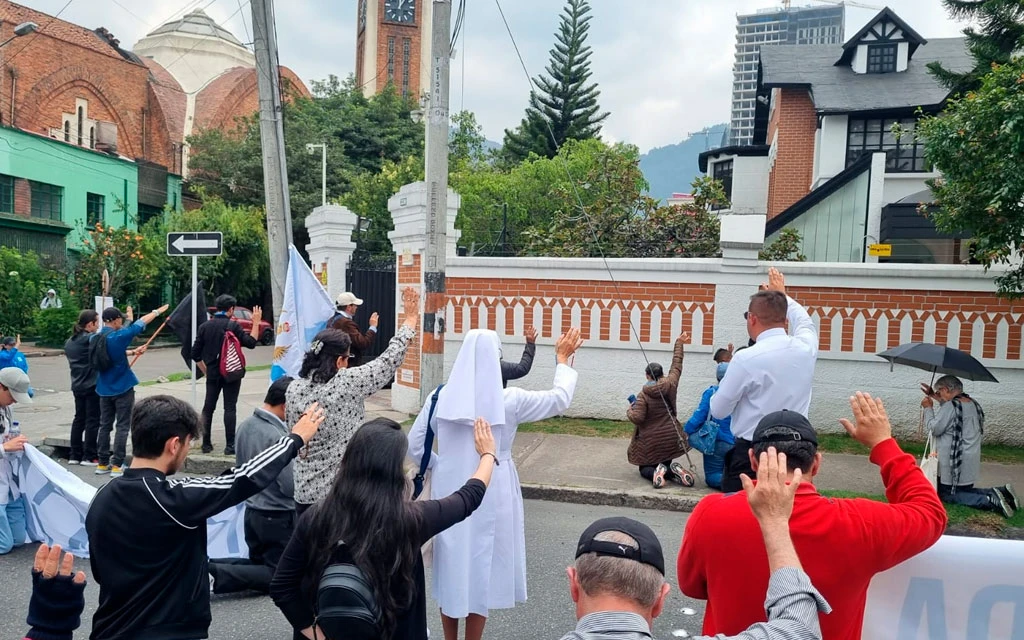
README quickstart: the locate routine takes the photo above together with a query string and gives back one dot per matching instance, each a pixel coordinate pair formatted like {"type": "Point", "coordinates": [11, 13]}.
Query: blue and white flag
{"type": "Point", "coordinates": [307, 309]}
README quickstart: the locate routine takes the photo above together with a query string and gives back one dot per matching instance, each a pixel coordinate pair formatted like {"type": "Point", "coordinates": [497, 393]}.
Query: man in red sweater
{"type": "Point", "coordinates": [842, 543]}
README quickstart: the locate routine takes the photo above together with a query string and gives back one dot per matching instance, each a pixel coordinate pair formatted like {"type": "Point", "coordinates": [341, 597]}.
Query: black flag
{"type": "Point", "coordinates": [180, 322]}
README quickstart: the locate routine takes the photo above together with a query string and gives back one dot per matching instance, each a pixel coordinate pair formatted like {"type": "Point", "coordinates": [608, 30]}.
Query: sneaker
{"type": "Point", "coordinates": [74, 462]}
{"type": "Point", "coordinates": [207, 448]}
{"type": "Point", "coordinates": [116, 471]}
{"type": "Point", "coordinates": [681, 475]}
{"type": "Point", "coordinates": [229, 451]}
{"type": "Point", "coordinates": [89, 463]}
{"type": "Point", "coordinates": [1001, 504]}
{"type": "Point", "coordinates": [1011, 496]}
{"type": "Point", "coordinates": [102, 469]}
{"type": "Point", "coordinates": [659, 476]}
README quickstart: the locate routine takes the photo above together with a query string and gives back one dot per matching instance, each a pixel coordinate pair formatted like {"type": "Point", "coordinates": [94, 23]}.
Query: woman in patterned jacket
{"type": "Point", "coordinates": [341, 392]}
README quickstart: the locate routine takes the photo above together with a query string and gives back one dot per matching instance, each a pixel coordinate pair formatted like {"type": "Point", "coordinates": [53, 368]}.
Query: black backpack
{"type": "Point", "coordinates": [99, 357]}
{"type": "Point", "coordinates": [345, 604]}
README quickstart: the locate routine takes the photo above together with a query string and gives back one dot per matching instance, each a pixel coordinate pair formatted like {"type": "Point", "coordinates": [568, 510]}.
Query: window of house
{"type": "Point", "coordinates": [6, 194]}
{"type": "Point", "coordinates": [882, 58]}
{"type": "Point", "coordinates": [722, 171]}
{"type": "Point", "coordinates": [406, 54]}
{"type": "Point", "coordinates": [904, 153]}
{"type": "Point", "coordinates": [391, 59]}
{"type": "Point", "coordinates": [47, 200]}
{"type": "Point", "coordinates": [93, 209]}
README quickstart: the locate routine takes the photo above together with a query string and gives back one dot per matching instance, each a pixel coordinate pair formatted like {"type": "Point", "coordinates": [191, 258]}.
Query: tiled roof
{"type": "Point", "coordinates": [11, 13]}
{"type": "Point", "coordinates": [173, 101]}
{"type": "Point", "coordinates": [222, 100]}
{"type": "Point", "coordinates": [196, 23]}
{"type": "Point", "coordinates": [837, 89]}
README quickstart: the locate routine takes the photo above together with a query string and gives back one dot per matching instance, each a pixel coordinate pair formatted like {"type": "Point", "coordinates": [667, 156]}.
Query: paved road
{"type": "Point", "coordinates": [552, 530]}
{"type": "Point", "coordinates": [50, 374]}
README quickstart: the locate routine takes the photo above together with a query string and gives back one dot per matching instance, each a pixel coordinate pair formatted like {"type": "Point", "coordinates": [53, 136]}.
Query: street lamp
{"type": "Point", "coordinates": [22, 29]}
{"type": "Point", "coordinates": [310, 148]}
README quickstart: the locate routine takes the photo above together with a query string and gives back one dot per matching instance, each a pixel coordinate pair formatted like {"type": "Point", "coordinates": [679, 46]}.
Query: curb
{"type": "Point", "coordinates": [611, 498]}
{"type": "Point", "coordinates": [52, 353]}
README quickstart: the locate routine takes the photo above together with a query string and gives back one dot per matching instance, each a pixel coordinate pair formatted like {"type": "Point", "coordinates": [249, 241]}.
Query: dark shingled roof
{"type": "Point", "coordinates": [837, 89]}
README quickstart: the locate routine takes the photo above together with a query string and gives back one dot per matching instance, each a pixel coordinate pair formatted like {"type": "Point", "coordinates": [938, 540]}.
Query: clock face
{"type": "Point", "coordinates": [362, 14]}
{"type": "Point", "coordinates": [403, 11]}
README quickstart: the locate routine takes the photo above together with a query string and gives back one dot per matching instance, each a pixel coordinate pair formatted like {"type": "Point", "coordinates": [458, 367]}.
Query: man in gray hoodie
{"type": "Point", "coordinates": [270, 514]}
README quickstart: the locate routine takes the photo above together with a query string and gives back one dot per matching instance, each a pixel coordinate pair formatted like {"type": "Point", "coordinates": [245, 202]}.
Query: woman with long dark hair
{"type": "Point", "coordinates": [369, 507]}
{"type": "Point", "coordinates": [85, 426]}
{"type": "Point", "coordinates": [341, 391]}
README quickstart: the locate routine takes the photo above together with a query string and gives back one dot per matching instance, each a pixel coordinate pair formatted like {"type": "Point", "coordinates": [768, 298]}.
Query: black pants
{"type": "Point", "coordinates": [737, 461]}
{"type": "Point", "coordinates": [214, 385]}
{"type": "Point", "coordinates": [647, 470]}
{"type": "Point", "coordinates": [267, 534]}
{"type": "Point", "coordinates": [85, 426]}
{"type": "Point", "coordinates": [113, 408]}
{"type": "Point", "coordinates": [969, 496]}
{"type": "Point", "coordinates": [301, 508]}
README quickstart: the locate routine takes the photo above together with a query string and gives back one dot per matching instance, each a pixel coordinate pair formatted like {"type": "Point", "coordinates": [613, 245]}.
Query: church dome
{"type": "Point", "coordinates": [196, 23]}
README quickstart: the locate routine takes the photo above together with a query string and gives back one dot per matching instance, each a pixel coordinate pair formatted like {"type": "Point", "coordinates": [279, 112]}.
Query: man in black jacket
{"type": "Point", "coordinates": [206, 352]}
{"type": "Point", "coordinates": [147, 534]}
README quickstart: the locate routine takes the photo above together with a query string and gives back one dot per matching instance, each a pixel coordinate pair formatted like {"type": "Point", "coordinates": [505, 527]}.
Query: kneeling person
{"type": "Point", "coordinates": [270, 514]}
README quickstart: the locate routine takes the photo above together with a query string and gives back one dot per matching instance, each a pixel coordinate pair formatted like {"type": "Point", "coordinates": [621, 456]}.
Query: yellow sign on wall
{"type": "Point", "coordinates": [880, 250]}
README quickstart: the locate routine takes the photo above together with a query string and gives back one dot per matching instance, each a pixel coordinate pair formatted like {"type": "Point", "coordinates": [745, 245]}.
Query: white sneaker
{"type": "Point", "coordinates": [89, 463]}
{"type": "Point", "coordinates": [74, 462]}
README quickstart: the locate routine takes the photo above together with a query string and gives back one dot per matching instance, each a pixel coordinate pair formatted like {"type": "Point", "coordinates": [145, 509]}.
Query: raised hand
{"type": "Point", "coordinates": [567, 345]}
{"type": "Point", "coordinates": [310, 421]}
{"type": "Point", "coordinates": [49, 563]}
{"type": "Point", "coordinates": [771, 499]}
{"type": "Point", "coordinates": [257, 315]}
{"type": "Point", "coordinates": [411, 306]}
{"type": "Point", "coordinates": [484, 439]}
{"type": "Point", "coordinates": [870, 421]}
{"type": "Point", "coordinates": [374, 319]}
{"type": "Point", "coordinates": [531, 335]}
{"type": "Point", "coordinates": [683, 337]}
{"type": "Point", "coordinates": [129, 314]}
{"type": "Point", "coordinates": [776, 281]}
{"type": "Point", "coordinates": [163, 309]}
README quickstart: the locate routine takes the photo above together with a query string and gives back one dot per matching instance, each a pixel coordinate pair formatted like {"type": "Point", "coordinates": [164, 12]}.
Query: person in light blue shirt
{"type": "Point", "coordinates": [714, 464]}
{"type": "Point", "coordinates": [10, 356]}
{"type": "Point", "coordinates": [116, 385]}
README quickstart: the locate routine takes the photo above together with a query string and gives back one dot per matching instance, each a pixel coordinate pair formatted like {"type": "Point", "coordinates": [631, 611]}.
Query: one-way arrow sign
{"type": "Point", "coordinates": [201, 243]}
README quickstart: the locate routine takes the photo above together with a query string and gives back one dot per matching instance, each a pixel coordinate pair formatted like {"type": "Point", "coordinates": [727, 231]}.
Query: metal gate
{"type": "Point", "coordinates": [373, 279]}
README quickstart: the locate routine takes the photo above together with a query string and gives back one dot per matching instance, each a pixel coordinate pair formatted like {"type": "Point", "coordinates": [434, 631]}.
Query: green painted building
{"type": "Point", "coordinates": [51, 191]}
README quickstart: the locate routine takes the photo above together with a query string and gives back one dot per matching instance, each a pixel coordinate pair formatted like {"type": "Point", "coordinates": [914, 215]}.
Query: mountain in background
{"type": "Point", "coordinates": [672, 168]}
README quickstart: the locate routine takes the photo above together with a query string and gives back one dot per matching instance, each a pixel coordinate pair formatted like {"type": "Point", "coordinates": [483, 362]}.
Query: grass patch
{"type": "Point", "coordinates": [843, 443]}
{"type": "Point", "coordinates": [174, 377]}
{"type": "Point", "coordinates": [959, 515]}
{"type": "Point", "coordinates": [581, 427]}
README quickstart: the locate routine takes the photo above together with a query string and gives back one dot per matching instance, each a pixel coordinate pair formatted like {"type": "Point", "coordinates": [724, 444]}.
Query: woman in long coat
{"type": "Point", "coordinates": [480, 563]}
{"type": "Point", "coordinates": [657, 439]}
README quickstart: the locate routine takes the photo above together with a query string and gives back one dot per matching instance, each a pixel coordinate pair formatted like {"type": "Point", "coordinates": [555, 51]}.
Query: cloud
{"type": "Point", "coordinates": [664, 66]}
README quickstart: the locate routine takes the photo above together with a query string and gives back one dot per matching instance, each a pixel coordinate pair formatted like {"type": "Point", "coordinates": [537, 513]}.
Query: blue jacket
{"type": "Point", "coordinates": [13, 358]}
{"type": "Point", "coordinates": [119, 378]}
{"type": "Point", "coordinates": [703, 412]}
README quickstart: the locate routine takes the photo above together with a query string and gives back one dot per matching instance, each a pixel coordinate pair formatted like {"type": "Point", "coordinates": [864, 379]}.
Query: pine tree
{"type": "Point", "coordinates": [563, 102]}
{"type": "Point", "coordinates": [1000, 33]}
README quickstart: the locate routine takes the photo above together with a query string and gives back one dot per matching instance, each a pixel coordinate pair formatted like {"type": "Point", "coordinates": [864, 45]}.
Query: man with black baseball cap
{"type": "Point", "coordinates": [842, 543]}
{"type": "Point", "coordinates": [617, 599]}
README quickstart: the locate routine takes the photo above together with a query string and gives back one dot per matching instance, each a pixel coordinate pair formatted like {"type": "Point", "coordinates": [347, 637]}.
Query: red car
{"type": "Point", "coordinates": [243, 317]}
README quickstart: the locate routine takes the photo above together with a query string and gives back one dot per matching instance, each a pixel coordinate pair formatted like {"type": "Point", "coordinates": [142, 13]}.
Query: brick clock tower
{"type": "Point", "coordinates": [393, 45]}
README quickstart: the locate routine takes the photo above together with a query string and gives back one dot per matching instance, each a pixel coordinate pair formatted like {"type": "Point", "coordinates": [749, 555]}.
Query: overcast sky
{"type": "Point", "coordinates": [664, 66]}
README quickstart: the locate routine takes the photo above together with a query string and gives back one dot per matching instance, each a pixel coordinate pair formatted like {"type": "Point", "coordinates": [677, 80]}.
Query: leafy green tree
{"type": "Point", "coordinates": [361, 135]}
{"type": "Point", "coordinates": [23, 282]}
{"type": "Point", "coordinates": [132, 259]}
{"type": "Point", "coordinates": [978, 145]}
{"type": "Point", "coordinates": [565, 102]}
{"type": "Point", "coordinates": [785, 248]}
{"type": "Point", "coordinates": [368, 198]}
{"type": "Point", "coordinates": [999, 33]}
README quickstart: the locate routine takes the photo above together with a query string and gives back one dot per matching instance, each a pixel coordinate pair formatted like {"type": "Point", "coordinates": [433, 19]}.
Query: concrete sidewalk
{"type": "Point", "coordinates": [552, 467]}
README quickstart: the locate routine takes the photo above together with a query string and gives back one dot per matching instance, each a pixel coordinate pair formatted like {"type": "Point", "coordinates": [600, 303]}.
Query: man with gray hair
{"type": "Point", "coordinates": [618, 580]}
{"type": "Point", "coordinates": [957, 426]}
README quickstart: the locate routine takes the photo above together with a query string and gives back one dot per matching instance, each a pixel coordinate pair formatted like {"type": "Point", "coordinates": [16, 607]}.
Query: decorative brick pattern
{"type": "Point", "coordinates": [409, 276]}
{"type": "Point", "coordinates": [873, 320]}
{"type": "Point", "coordinates": [652, 312]}
{"type": "Point", "coordinates": [795, 121]}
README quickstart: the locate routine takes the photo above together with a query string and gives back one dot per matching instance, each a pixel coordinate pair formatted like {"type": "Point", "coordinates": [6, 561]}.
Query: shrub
{"type": "Point", "coordinates": [54, 326]}
{"type": "Point", "coordinates": [23, 282]}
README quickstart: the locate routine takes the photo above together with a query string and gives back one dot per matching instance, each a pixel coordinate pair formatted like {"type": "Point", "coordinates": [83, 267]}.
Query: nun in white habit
{"type": "Point", "coordinates": [480, 563]}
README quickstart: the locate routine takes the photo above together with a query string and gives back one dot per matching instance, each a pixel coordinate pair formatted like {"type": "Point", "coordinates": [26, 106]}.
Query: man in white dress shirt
{"type": "Point", "coordinates": [774, 374]}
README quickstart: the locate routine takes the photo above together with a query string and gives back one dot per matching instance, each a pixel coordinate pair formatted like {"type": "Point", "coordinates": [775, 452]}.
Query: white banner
{"type": "Point", "coordinates": [307, 308]}
{"type": "Point", "coordinates": [56, 502]}
{"type": "Point", "coordinates": [961, 588]}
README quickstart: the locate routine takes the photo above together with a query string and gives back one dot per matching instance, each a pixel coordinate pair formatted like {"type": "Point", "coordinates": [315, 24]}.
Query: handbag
{"type": "Point", "coordinates": [421, 481]}
{"type": "Point", "coordinates": [930, 462]}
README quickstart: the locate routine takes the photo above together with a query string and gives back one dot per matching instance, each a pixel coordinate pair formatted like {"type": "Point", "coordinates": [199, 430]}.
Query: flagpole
{"type": "Point", "coordinates": [195, 269]}
{"type": "Point", "coordinates": [151, 338]}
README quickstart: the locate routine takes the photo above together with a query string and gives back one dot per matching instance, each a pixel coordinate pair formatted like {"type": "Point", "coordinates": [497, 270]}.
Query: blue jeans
{"type": "Point", "coordinates": [714, 465]}
{"type": "Point", "coordinates": [12, 524]}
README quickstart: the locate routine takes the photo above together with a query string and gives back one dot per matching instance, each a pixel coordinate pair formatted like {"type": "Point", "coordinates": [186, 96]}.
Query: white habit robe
{"type": "Point", "coordinates": [480, 563]}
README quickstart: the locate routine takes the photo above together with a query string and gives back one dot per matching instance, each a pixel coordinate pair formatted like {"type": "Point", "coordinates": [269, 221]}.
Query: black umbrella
{"type": "Point", "coordinates": [938, 359]}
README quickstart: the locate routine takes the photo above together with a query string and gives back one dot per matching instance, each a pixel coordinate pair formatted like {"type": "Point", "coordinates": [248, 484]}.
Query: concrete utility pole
{"type": "Point", "coordinates": [275, 167]}
{"type": "Point", "coordinates": [432, 354]}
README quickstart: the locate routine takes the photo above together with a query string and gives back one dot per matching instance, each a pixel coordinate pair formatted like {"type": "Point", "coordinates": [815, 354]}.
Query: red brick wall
{"type": "Point", "coordinates": [796, 122]}
{"type": "Point", "coordinates": [399, 32]}
{"type": "Point", "coordinates": [409, 276]}
{"type": "Point", "coordinates": [22, 197]}
{"type": "Point", "coordinates": [944, 308]}
{"type": "Point", "coordinates": [505, 295]}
